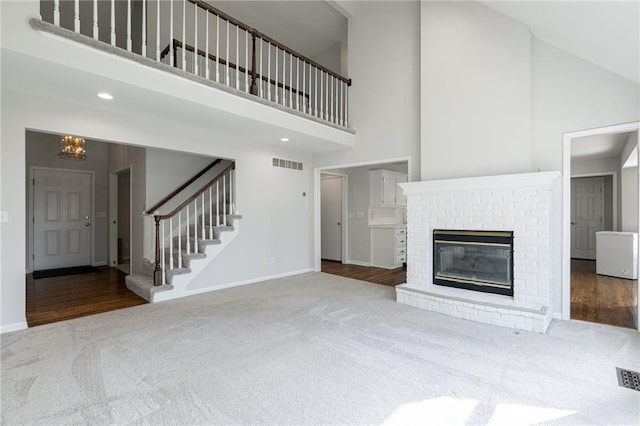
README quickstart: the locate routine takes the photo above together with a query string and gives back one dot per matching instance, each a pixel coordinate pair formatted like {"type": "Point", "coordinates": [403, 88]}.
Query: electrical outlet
{"type": "Point", "coordinates": [4, 216]}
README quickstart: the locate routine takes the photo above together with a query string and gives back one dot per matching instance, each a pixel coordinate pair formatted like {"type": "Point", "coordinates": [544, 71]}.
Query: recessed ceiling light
{"type": "Point", "coordinates": [284, 139]}
{"type": "Point", "coordinates": [105, 95]}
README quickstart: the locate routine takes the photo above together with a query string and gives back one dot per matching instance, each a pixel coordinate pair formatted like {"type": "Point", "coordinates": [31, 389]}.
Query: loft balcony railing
{"type": "Point", "coordinates": [196, 37]}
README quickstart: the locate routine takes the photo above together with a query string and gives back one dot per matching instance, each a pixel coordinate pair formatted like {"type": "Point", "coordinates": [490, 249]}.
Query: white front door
{"type": "Point", "coordinates": [331, 218]}
{"type": "Point", "coordinates": [587, 216]}
{"type": "Point", "coordinates": [61, 218]}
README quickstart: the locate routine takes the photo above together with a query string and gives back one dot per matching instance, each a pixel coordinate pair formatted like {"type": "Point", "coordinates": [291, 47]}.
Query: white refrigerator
{"type": "Point", "coordinates": [617, 254]}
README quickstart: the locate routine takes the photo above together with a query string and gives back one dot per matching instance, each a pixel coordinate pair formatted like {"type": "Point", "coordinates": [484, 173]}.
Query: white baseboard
{"type": "Point", "coordinates": [357, 262]}
{"type": "Point", "coordinates": [13, 327]}
{"type": "Point", "coordinates": [100, 263]}
{"type": "Point", "coordinates": [556, 315]}
{"type": "Point", "coordinates": [249, 281]}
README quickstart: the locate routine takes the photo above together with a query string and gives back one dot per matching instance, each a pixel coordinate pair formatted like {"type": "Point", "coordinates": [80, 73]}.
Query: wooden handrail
{"type": "Point", "coordinates": [256, 33]}
{"type": "Point", "coordinates": [175, 211]}
{"type": "Point", "coordinates": [182, 187]}
{"type": "Point", "coordinates": [178, 44]}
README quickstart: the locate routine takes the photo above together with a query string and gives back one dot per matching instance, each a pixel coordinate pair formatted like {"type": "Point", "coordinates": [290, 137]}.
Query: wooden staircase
{"type": "Point", "coordinates": [190, 236]}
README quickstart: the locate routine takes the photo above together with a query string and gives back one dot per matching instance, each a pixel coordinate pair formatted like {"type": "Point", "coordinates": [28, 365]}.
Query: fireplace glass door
{"type": "Point", "coordinates": [474, 260]}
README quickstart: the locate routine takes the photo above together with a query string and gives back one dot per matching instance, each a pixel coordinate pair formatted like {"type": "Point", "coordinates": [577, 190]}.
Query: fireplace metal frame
{"type": "Point", "coordinates": [471, 237]}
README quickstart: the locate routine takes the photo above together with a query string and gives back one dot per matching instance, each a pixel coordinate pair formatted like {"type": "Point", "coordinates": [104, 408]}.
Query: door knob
{"type": "Point", "coordinates": [87, 224]}
{"type": "Point", "coordinates": [339, 223]}
{"type": "Point", "coordinates": [573, 223]}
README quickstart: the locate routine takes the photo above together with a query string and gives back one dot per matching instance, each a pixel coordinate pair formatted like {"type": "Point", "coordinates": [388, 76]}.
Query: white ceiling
{"type": "Point", "coordinates": [606, 33]}
{"type": "Point", "coordinates": [599, 146]}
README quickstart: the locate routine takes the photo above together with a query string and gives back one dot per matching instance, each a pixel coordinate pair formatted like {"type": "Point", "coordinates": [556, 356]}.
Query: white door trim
{"type": "Point", "coordinates": [30, 212]}
{"type": "Point", "coordinates": [345, 212]}
{"type": "Point", "coordinates": [566, 205]}
{"type": "Point", "coordinates": [317, 248]}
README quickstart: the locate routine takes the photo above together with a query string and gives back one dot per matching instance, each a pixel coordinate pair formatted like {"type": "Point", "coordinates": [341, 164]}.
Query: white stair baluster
{"type": "Point", "coordinates": [158, 30]}
{"type": "Point", "coordinates": [56, 13]}
{"type": "Point", "coordinates": [227, 56]}
{"type": "Point", "coordinates": [277, 81]}
{"type": "Point", "coordinates": [204, 235]}
{"type": "Point", "coordinates": [297, 83]}
{"type": "Point", "coordinates": [269, 69]}
{"type": "Point", "coordinates": [224, 200]}
{"type": "Point", "coordinates": [304, 88]}
{"type": "Point", "coordinates": [179, 240]}
{"type": "Point", "coordinates": [237, 57]}
{"type": "Point", "coordinates": [260, 76]}
{"type": "Point", "coordinates": [95, 19]}
{"type": "Point", "coordinates": [195, 222]}
{"type": "Point", "coordinates": [184, 35]}
{"type": "Point", "coordinates": [323, 113]}
{"type": "Point", "coordinates": [331, 99]}
{"type": "Point", "coordinates": [246, 61]}
{"type": "Point", "coordinates": [76, 16]}
{"type": "Point", "coordinates": [113, 22]}
{"type": "Point", "coordinates": [162, 254]}
{"type": "Point", "coordinates": [231, 177]}
{"type": "Point", "coordinates": [206, 48]}
{"type": "Point", "coordinates": [290, 81]}
{"type": "Point", "coordinates": [317, 111]}
{"type": "Point", "coordinates": [144, 28]}
{"type": "Point", "coordinates": [210, 214]}
{"type": "Point", "coordinates": [170, 243]}
{"type": "Point", "coordinates": [129, 25]}
{"type": "Point", "coordinates": [346, 105]}
{"type": "Point", "coordinates": [172, 59]}
{"type": "Point", "coordinates": [195, 36]}
{"type": "Point", "coordinates": [188, 236]}
{"type": "Point", "coordinates": [218, 203]}
{"type": "Point", "coordinates": [217, 48]}
{"type": "Point", "coordinates": [341, 110]}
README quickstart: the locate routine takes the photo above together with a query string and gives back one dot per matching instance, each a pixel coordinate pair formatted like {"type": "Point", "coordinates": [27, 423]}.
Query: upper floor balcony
{"type": "Point", "coordinates": [196, 41]}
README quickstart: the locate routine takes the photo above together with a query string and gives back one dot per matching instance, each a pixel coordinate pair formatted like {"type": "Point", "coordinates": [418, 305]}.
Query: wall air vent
{"type": "Point", "coordinates": [286, 164]}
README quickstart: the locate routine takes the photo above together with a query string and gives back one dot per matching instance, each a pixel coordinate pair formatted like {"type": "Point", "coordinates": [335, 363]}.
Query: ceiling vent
{"type": "Point", "coordinates": [286, 164]}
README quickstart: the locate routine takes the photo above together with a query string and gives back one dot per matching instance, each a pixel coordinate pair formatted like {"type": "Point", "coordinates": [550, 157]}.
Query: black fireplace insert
{"type": "Point", "coordinates": [474, 260]}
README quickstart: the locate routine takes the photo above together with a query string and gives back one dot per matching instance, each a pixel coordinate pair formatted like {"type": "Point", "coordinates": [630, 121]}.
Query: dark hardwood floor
{"type": "Point", "coordinates": [390, 277]}
{"type": "Point", "coordinates": [72, 296]}
{"type": "Point", "coordinates": [602, 299]}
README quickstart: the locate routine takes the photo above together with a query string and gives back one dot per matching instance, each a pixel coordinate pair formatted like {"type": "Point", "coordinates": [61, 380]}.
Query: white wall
{"type": "Point", "coordinates": [629, 208]}
{"type": "Point", "coordinates": [167, 170]}
{"type": "Point", "coordinates": [570, 94]}
{"type": "Point", "coordinates": [384, 104]}
{"type": "Point", "coordinates": [476, 100]}
{"type": "Point", "coordinates": [42, 150]}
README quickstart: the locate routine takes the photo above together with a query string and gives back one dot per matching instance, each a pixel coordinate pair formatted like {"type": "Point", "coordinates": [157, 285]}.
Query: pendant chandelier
{"type": "Point", "coordinates": [72, 148]}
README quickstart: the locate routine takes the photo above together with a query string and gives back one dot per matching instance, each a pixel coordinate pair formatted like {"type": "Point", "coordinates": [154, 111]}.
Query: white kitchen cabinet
{"type": "Point", "coordinates": [384, 190]}
{"type": "Point", "coordinates": [388, 246]}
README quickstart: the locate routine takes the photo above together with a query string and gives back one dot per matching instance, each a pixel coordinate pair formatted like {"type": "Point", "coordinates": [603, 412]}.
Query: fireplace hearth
{"type": "Point", "coordinates": [474, 260]}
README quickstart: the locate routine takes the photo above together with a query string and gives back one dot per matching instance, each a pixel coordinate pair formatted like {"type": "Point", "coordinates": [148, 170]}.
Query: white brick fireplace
{"type": "Point", "coordinates": [527, 204]}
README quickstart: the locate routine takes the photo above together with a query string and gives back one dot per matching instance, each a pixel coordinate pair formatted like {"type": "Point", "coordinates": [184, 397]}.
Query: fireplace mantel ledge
{"type": "Point", "coordinates": [521, 180]}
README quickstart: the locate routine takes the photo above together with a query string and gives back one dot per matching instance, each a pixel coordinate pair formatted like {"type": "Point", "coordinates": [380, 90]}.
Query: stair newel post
{"type": "Point", "coordinates": [157, 271]}
{"type": "Point", "coordinates": [254, 86]}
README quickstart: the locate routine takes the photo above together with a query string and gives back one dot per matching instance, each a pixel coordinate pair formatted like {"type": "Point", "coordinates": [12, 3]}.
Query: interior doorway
{"type": "Point", "coordinates": [120, 219]}
{"type": "Point", "coordinates": [600, 184]}
{"type": "Point", "coordinates": [331, 194]}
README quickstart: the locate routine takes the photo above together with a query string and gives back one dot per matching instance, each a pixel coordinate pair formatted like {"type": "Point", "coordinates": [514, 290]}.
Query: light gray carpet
{"type": "Point", "coordinates": [312, 349]}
